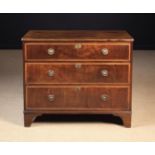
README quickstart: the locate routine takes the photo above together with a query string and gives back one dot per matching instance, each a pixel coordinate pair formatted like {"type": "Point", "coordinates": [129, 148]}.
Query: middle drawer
{"type": "Point", "coordinates": [76, 73]}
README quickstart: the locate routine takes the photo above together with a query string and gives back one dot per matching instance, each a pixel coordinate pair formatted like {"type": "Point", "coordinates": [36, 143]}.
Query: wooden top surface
{"type": "Point", "coordinates": [76, 35]}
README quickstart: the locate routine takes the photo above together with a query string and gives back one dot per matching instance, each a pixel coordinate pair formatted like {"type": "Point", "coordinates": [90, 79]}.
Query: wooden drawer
{"type": "Point", "coordinates": [77, 73]}
{"type": "Point", "coordinates": [75, 51]}
{"type": "Point", "coordinates": [78, 97]}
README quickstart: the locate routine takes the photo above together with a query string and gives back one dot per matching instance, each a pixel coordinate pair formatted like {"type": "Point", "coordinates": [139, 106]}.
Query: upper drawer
{"type": "Point", "coordinates": [77, 51]}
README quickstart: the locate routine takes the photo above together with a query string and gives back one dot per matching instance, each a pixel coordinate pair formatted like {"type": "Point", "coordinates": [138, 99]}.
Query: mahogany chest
{"type": "Point", "coordinates": [77, 72]}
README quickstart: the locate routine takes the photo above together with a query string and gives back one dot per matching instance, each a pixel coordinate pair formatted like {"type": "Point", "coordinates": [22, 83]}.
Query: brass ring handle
{"type": "Point", "coordinates": [104, 97]}
{"type": "Point", "coordinates": [105, 51]}
{"type": "Point", "coordinates": [51, 97]}
{"type": "Point", "coordinates": [51, 51]}
{"type": "Point", "coordinates": [51, 73]}
{"type": "Point", "coordinates": [104, 72]}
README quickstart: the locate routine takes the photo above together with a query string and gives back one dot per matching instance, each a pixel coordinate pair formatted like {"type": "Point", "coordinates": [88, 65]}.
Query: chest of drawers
{"type": "Point", "coordinates": [77, 72]}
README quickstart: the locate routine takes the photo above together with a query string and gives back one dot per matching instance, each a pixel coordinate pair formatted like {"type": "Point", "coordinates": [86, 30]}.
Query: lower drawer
{"type": "Point", "coordinates": [77, 97]}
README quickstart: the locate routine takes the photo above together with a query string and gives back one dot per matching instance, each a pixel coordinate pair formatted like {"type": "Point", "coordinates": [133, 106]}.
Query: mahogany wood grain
{"type": "Point", "coordinates": [30, 115]}
{"type": "Point", "coordinates": [77, 35]}
{"type": "Point", "coordinates": [68, 73]}
{"type": "Point", "coordinates": [77, 90]}
{"type": "Point", "coordinates": [77, 97]}
{"type": "Point", "coordinates": [88, 51]}
{"type": "Point", "coordinates": [126, 117]}
{"type": "Point", "coordinates": [29, 118]}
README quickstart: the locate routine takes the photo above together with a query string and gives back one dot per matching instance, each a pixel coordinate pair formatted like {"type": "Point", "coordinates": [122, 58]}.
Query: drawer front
{"type": "Point", "coordinates": [78, 97]}
{"type": "Point", "coordinates": [76, 73]}
{"type": "Point", "coordinates": [75, 51]}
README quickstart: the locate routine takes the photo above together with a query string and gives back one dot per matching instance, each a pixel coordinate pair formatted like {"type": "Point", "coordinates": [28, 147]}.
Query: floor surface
{"type": "Point", "coordinates": [11, 107]}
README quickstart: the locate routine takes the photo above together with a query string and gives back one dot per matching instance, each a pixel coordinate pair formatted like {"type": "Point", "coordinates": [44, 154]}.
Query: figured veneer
{"type": "Point", "coordinates": [87, 51]}
{"type": "Point", "coordinates": [78, 97]}
{"type": "Point", "coordinates": [71, 73]}
{"type": "Point", "coordinates": [77, 72]}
